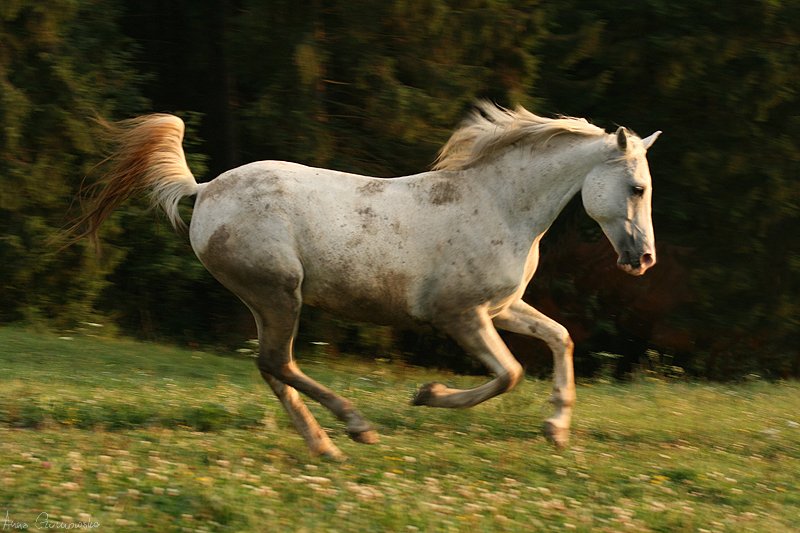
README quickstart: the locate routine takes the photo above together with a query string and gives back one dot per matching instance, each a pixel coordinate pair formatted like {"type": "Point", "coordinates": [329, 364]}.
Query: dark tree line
{"type": "Point", "coordinates": [376, 87]}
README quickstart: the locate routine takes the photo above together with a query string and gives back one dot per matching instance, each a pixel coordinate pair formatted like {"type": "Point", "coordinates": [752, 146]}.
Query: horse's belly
{"type": "Point", "coordinates": [382, 299]}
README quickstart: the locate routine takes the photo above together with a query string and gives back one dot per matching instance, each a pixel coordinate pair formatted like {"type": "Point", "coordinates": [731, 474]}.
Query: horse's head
{"type": "Point", "coordinates": [617, 194]}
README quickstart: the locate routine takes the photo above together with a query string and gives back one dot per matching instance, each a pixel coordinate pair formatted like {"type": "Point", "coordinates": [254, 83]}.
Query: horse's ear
{"type": "Point", "coordinates": [622, 138]}
{"type": "Point", "coordinates": [648, 141]}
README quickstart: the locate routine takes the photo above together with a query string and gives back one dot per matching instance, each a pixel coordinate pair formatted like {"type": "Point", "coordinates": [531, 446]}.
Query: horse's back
{"type": "Point", "coordinates": [310, 208]}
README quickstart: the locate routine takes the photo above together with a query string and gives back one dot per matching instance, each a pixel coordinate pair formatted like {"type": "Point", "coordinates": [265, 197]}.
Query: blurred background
{"type": "Point", "coordinates": [376, 87]}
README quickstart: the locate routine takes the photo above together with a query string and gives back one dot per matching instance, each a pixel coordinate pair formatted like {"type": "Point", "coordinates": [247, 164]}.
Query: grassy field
{"type": "Point", "coordinates": [131, 436]}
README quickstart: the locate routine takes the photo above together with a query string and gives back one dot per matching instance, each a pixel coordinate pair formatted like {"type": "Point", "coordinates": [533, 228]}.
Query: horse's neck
{"type": "Point", "coordinates": [533, 189]}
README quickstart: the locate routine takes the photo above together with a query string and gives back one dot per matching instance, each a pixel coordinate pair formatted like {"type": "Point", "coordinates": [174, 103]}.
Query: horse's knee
{"type": "Point", "coordinates": [510, 377]}
{"type": "Point", "coordinates": [563, 348]}
{"type": "Point", "coordinates": [561, 341]}
{"type": "Point", "coordinates": [569, 346]}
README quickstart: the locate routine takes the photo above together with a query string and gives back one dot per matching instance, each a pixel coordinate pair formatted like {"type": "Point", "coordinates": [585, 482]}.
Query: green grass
{"type": "Point", "coordinates": [144, 437]}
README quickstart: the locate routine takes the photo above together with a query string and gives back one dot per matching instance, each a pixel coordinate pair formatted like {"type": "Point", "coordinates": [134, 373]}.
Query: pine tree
{"type": "Point", "coordinates": [61, 63]}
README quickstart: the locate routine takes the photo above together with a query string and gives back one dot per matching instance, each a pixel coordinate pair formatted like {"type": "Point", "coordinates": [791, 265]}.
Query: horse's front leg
{"type": "Point", "coordinates": [476, 334]}
{"type": "Point", "coordinates": [521, 318]}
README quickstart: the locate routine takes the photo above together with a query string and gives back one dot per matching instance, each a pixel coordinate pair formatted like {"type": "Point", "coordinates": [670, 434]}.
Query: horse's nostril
{"type": "Point", "coordinates": [648, 260]}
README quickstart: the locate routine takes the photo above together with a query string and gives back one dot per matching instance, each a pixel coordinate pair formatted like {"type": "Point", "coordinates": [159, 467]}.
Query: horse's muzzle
{"type": "Point", "coordinates": [636, 264]}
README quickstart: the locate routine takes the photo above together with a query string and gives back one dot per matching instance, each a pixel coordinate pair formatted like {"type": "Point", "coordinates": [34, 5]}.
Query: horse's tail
{"type": "Point", "coordinates": [147, 156]}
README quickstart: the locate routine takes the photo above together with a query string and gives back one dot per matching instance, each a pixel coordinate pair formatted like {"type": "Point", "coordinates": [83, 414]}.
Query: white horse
{"type": "Point", "coordinates": [454, 247]}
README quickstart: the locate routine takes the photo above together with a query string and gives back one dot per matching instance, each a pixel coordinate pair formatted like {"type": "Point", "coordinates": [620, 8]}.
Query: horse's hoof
{"type": "Point", "coordinates": [365, 437]}
{"type": "Point", "coordinates": [426, 393]}
{"type": "Point", "coordinates": [332, 454]}
{"type": "Point", "coordinates": [558, 437]}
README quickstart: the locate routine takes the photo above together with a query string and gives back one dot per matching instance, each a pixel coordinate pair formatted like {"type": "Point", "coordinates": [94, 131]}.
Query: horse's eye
{"type": "Point", "coordinates": [637, 191]}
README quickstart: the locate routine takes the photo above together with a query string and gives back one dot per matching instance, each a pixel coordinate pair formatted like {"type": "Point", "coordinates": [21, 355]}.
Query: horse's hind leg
{"type": "Point", "coordinates": [285, 370]}
{"type": "Point", "coordinates": [317, 440]}
{"type": "Point", "coordinates": [277, 328]}
{"type": "Point", "coordinates": [277, 331]}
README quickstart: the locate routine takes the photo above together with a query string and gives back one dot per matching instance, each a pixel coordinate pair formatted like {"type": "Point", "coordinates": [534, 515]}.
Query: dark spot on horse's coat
{"type": "Point", "coordinates": [218, 238]}
{"type": "Point", "coordinates": [384, 300]}
{"type": "Point", "coordinates": [217, 250]}
{"type": "Point", "coordinates": [475, 213]}
{"type": "Point", "coordinates": [393, 287]}
{"type": "Point", "coordinates": [269, 184]}
{"type": "Point", "coordinates": [372, 187]}
{"type": "Point", "coordinates": [354, 242]}
{"type": "Point", "coordinates": [216, 188]}
{"type": "Point", "coordinates": [367, 218]}
{"type": "Point", "coordinates": [497, 242]}
{"type": "Point", "coordinates": [242, 187]}
{"type": "Point", "coordinates": [444, 192]}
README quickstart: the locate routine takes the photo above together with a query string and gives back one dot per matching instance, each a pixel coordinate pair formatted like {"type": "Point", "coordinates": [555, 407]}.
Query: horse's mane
{"type": "Point", "coordinates": [490, 128]}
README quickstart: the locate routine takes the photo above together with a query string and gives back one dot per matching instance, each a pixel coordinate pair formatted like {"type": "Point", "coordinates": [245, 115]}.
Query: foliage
{"type": "Point", "coordinates": [60, 64]}
{"type": "Point", "coordinates": [376, 87]}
